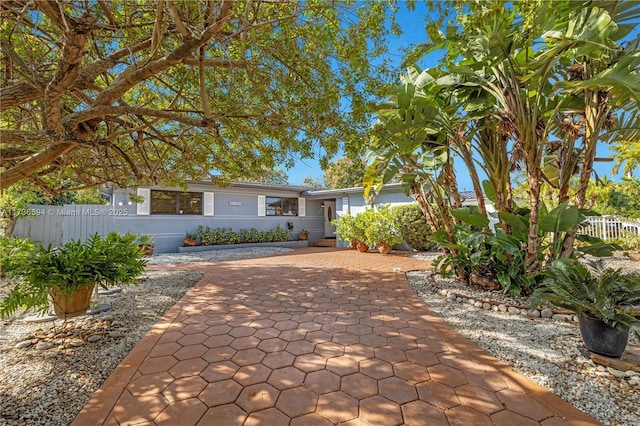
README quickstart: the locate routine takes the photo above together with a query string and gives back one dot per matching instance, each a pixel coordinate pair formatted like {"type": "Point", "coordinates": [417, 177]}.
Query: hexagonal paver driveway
{"type": "Point", "coordinates": [314, 337]}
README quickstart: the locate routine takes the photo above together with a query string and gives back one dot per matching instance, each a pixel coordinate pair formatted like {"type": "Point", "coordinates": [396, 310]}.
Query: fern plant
{"type": "Point", "coordinates": [595, 291]}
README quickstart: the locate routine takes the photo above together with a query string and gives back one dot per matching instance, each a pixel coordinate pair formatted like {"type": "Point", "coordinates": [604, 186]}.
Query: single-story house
{"type": "Point", "coordinates": [169, 213]}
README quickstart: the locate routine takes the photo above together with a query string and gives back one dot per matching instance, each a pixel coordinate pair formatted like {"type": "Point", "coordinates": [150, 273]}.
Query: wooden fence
{"type": "Point", "coordinates": [57, 225]}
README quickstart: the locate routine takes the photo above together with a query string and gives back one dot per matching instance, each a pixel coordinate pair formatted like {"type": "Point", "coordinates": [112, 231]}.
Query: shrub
{"type": "Point", "coordinates": [413, 227]}
{"type": "Point", "coordinates": [382, 228]}
{"type": "Point", "coordinates": [221, 236]}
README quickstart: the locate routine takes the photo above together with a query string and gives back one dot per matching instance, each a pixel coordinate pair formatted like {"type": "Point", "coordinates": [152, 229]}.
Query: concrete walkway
{"type": "Point", "coordinates": [316, 337]}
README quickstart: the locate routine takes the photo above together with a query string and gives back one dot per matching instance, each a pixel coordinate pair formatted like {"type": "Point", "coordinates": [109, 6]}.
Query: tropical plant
{"type": "Point", "coordinates": [413, 227]}
{"type": "Point", "coordinates": [114, 259]}
{"type": "Point", "coordinates": [486, 257]}
{"type": "Point", "coordinates": [592, 290]}
{"type": "Point", "coordinates": [532, 81]}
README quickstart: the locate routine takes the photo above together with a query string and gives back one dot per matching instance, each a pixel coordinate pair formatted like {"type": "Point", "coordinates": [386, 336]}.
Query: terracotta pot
{"type": "Point", "coordinates": [634, 256]}
{"type": "Point", "coordinates": [303, 237]}
{"type": "Point", "coordinates": [384, 248]}
{"type": "Point", "coordinates": [146, 250]}
{"type": "Point", "coordinates": [188, 242]}
{"type": "Point", "coordinates": [353, 244]}
{"type": "Point", "coordinates": [362, 247]}
{"type": "Point", "coordinates": [74, 304]}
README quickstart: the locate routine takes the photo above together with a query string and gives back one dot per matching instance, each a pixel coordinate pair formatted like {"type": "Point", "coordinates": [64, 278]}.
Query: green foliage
{"type": "Point", "coordinates": [270, 87]}
{"type": "Point", "coordinates": [145, 240]}
{"type": "Point", "coordinates": [219, 236]}
{"type": "Point", "coordinates": [608, 294]}
{"type": "Point", "coordinates": [413, 227]}
{"type": "Point", "coordinates": [627, 241]}
{"type": "Point", "coordinates": [347, 228]}
{"type": "Point", "coordinates": [114, 259]}
{"type": "Point", "coordinates": [382, 228]}
{"type": "Point", "coordinates": [14, 252]}
{"type": "Point", "coordinates": [369, 226]}
{"type": "Point", "coordinates": [619, 198]}
{"type": "Point", "coordinates": [501, 257]}
{"type": "Point", "coordinates": [344, 173]}
{"type": "Point", "coordinates": [498, 257]}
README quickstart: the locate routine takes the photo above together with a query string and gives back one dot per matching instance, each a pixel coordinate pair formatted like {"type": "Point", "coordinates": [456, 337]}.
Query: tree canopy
{"type": "Point", "coordinates": [159, 91]}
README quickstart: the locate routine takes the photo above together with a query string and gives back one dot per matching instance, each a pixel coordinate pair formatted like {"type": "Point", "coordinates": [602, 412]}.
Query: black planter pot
{"type": "Point", "coordinates": [601, 338]}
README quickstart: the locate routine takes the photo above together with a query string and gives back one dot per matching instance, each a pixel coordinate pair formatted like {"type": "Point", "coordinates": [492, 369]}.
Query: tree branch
{"type": "Point", "coordinates": [134, 74]}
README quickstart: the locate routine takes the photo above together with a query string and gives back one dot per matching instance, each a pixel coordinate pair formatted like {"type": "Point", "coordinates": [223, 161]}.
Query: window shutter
{"type": "Point", "coordinates": [302, 207]}
{"type": "Point", "coordinates": [208, 203]}
{"type": "Point", "coordinates": [262, 205]}
{"type": "Point", "coordinates": [345, 205]}
{"type": "Point", "coordinates": [144, 208]}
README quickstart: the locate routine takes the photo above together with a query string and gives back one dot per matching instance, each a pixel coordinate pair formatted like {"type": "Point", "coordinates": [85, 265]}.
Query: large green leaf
{"type": "Point", "coordinates": [561, 219]}
{"type": "Point", "coordinates": [473, 218]}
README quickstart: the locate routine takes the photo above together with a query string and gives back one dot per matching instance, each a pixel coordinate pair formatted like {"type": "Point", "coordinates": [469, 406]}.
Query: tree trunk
{"type": "Point", "coordinates": [467, 157]}
{"type": "Point", "coordinates": [596, 111]}
{"type": "Point", "coordinates": [533, 239]}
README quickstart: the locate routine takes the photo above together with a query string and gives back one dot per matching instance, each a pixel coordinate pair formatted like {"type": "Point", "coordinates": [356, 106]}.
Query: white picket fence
{"type": "Point", "coordinates": [608, 227]}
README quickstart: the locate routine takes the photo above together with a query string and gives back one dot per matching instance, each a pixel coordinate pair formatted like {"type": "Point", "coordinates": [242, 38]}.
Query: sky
{"type": "Point", "coordinates": [413, 27]}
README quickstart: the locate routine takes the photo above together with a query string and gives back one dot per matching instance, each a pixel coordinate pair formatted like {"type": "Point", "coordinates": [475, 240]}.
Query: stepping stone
{"type": "Point", "coordinates": [103, 307]}
{"type": "Point", "coordinates": [40, 318]}
{"type": "Point", "coordinates": [111, 290]}
{"type": "Point", "coordinates": [630, 359]}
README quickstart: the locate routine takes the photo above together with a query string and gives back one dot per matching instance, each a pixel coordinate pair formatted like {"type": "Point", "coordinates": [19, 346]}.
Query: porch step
{"type": "Point", "coordinates": [325, 242]}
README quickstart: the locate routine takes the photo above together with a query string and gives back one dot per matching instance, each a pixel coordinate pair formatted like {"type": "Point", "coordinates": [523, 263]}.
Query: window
{"type": "Point", "coordinates": [277, 206]}
{"type": "Point", "coordinates": [174, 202]}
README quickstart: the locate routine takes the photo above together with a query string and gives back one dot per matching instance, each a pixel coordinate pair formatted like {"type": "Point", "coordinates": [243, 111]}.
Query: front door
{"type": "Point", "coordinates": [329, 215]}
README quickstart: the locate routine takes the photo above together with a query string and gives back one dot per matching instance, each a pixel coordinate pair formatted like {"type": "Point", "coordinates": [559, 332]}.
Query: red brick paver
{"type": "Point", "coordinates": [315, 337]}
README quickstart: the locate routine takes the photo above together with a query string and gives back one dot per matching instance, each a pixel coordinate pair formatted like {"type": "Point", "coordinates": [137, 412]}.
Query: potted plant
{"type": "Point", "coordinates": [360, 224]}
{"type": "Point", "coordinates": [605, 300]}
{"type": "Point", "coordinates": [68, 274]}
{"type": "Point", "coordinates": [146, 243]}
{"type": "Point", "coordinates": [346, 229]}
{"type": "Point", "coordinates": [382, 231]}
{"type": "Point", "coordinates": [191, 239]}
{"type": "Point", "coordinates": [304, 235]}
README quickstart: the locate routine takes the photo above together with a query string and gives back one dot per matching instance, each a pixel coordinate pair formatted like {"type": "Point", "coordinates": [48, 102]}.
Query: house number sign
{"type": "Point", "coordinates": [235, 203]}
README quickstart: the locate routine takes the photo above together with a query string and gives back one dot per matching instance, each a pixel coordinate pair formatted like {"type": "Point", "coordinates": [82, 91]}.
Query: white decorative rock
{"type": "Point", "coordinates": [495, 308]}
{"type": "Point", "coordinates": [42, 346]}
{"type": "Point", "coordinates": [451, 296]}
{"type": "Point", "coordinates": [470, 301]}
{"type": "Point", "coordinates": [76, 342]}
{"type": "Point", "coordinates": [23, 344]}
{"type": "Point", "coordinates": [513, 310]}
{"type": "Point", "coordinates": [94, 338]}
{"type": "Point", "coordinates": [533, 313]}
{"type": "Point", "coordinates": [502, 308]}
{"type": "Point", "coordinates": [478, 304]}
{"type": "Point", "coordinates": [486, 306]}
{"type": "Point", "coordinates": [546, 313]}
{"type": "Point", "coordinates": [561, 317]}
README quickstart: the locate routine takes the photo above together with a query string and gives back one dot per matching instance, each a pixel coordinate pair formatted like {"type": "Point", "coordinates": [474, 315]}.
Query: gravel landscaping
{"type": "Point", "coordinates": [548, 351]}
{"type": "Point", "coordinates": [49, 387]}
